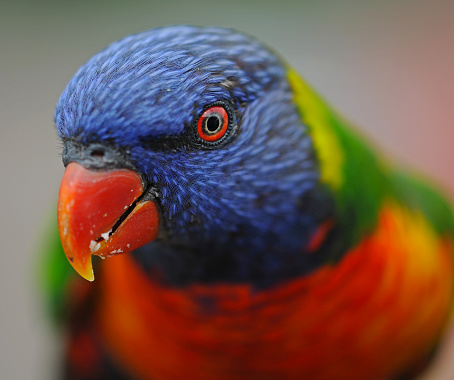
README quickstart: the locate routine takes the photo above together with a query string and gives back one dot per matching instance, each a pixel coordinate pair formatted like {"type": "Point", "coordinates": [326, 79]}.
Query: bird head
{"type": "Point", "coordinates": [188, 138]}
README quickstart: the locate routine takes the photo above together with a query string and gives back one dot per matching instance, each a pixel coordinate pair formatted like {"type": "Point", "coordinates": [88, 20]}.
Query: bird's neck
{"type": "Point", "coordinates": [254, 257]}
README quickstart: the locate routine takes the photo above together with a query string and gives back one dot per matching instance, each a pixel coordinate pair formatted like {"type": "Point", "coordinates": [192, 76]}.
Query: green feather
{"type": "Point", "coordinates": [55, 271]}
{"type": "Point", "coordinates": [360, 180]}
{"type": "Point", "coordinates": [417, 193]}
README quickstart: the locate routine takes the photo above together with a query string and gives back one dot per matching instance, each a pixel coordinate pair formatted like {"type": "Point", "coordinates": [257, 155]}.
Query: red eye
{"type": "Point", "coordinates": [213, 124]}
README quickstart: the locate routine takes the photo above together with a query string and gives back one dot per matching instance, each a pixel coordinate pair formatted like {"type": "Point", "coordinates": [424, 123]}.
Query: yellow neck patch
{"type": "Point", "coordinates": [316, 115]}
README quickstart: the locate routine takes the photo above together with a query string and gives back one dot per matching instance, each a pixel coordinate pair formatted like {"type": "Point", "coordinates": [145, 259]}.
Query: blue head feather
{"type": "Point", "coordinates": [232, 213]}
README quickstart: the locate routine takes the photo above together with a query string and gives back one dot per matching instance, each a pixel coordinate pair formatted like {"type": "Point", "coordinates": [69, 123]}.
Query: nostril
{"type": "Point", "coordinates": [97, 153]}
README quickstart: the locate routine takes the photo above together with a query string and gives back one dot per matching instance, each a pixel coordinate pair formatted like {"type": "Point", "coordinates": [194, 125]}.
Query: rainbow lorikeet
{"type": "Point", "coordinates": [260, 237]}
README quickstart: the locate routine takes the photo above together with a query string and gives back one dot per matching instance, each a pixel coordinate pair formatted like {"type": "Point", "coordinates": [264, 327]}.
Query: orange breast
{"type": "Point", "coordinates": [378, 310]}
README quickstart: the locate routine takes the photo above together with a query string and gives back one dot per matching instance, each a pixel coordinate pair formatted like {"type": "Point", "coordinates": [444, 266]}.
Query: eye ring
{"type": "Point", "coordinates": [213, 124]}
{"type": "Point", "coordinates": [215, 127]}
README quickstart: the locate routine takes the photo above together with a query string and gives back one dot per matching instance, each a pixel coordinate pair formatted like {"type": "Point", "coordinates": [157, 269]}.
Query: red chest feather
{"type": "Point", "coordinates": [374, 313]}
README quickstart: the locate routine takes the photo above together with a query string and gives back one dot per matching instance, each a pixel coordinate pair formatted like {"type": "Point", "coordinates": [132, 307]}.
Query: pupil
{"type": "Point", "coordinates": [212, 124]}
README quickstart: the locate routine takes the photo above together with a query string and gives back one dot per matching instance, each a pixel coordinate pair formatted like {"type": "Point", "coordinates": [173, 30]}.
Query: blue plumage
{"type": "Point", "coordinates": [152, 84]}
{"type": "Point", "coordinates": [232, 212]}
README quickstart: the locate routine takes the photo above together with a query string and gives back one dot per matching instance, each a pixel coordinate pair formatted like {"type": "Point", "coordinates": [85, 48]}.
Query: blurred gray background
{"type": "Point", "coordinates": [386, 65]}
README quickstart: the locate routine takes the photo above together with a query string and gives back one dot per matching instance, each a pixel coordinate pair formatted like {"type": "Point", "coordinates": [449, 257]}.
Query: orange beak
{"type": "Point", "coordinates": [100, 213]}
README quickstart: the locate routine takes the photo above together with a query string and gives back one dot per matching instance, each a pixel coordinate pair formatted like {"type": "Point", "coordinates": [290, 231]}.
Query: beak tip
{"type": "Point", "coordinates": [89, 276]}
{"type": "Point", "coordinates": [84, 269]}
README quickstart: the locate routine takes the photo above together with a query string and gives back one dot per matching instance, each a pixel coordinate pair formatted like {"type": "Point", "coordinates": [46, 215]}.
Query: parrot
{"type": "Point", "coordinates": [249, 231]}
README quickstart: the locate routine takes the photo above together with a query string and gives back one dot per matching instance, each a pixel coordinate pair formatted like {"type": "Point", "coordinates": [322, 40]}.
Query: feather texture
{"type": "Point", "coordinates": [291, 250]}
